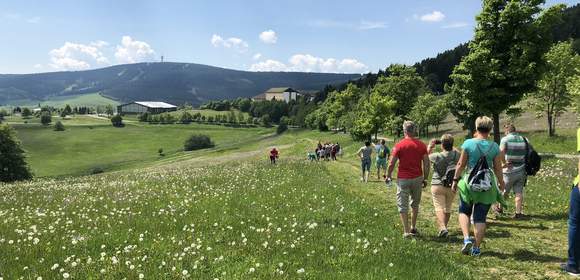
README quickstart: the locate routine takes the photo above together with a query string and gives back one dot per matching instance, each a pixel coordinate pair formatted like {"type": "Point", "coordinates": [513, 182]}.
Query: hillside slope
{"type": "Point", "coordinates": [171, 82]}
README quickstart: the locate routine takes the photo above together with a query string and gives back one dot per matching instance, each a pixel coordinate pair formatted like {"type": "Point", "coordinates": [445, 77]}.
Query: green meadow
{"type": "Point", "coordinates": [226, 213]}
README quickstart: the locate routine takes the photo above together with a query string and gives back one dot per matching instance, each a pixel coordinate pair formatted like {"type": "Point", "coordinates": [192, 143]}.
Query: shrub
{"type": "Point", "coordinates": [117, 121]}
{"type": "Point", "coordinates": [281, 128]}
{"type": "Point", "coordinates": [13, 167]}
{"type": "Point", "coordinates": [58, 126]}
{"type": "Point", "coordinates": [45, 118]}
{"type": "Point", "coordinates": [197, 141]}
{"type": "Point", "coordinates": [26, 113]}
{"type": "Point", "coordinates": [97, 170]}
{"type": "Point", "coordinates": [144, 117]}
{"type": "Point", "coordinates": [160, 152]}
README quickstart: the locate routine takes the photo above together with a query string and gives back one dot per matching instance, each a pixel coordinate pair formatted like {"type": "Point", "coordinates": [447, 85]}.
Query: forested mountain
{"type": "Point", "coordinates": [176, 83]}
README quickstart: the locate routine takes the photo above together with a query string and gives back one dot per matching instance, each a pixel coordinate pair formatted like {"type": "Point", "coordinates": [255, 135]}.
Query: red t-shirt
{"type": "Point", "coordinates": [410, 152]}
{"type": "Point", "coordinates": [274, 153]}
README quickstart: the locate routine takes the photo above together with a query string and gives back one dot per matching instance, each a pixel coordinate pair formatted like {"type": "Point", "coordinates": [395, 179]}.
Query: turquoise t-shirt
{"type": "Point", "coordinates": [487, 147]}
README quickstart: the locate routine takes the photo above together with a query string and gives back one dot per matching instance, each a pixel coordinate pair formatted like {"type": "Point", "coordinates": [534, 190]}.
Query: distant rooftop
{"type": "Point", "coordinates": [155, 104]}
{"type": "Point", "coordinates": [281, 90]}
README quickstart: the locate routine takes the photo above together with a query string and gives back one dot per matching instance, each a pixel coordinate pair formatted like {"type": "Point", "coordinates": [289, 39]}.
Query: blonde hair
{"type": "Point", "coordinates": [510, 127]}
{"type": "Point", "coordinates": [483, 124]}
{"type": "Point", "coordinates": [447, 142]}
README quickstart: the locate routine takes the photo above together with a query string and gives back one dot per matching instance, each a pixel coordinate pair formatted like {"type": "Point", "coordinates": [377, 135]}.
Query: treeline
{"type": "Point", "coordinates": [230, 119]}
{"type": "Point", "coordinates": [291, 113]}
{"type": "Point", "coordinates": [399, 94]}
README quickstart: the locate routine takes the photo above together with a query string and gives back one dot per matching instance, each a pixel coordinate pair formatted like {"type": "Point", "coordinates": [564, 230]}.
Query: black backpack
{"type": "Point", "coordinates": [449, 173]}
{"type": "Point", "coordinates": [533, 160]}
{"type": "Point", "coordinates": [480, 178]}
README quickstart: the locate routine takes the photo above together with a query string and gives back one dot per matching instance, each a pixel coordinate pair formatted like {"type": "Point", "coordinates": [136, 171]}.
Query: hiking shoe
{"type": "Point", "coordinates": [443, 233]}
{"type": "Point", "coordinates": [475, 252]}
{"type": "Point", "coordinates": [467, 245]}
{"type": "Point", "coordinates": [408, 235]}
{"type": "Point", "coordinates": [570, 270]}
{"type": "Point", "coordinates": [414, 232]}
{"type": "Point", "coordinates": [519, 216]}
{"type": "Point", "coordinates": [362, 179]}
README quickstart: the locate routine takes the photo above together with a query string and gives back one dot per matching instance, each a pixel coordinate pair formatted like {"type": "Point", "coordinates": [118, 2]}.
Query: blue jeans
{"type": "Point", "coordinates": [573, 234]}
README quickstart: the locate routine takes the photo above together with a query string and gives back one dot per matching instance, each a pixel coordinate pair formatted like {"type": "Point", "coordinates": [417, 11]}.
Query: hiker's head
{"type": "Point", "coordinates": [382, 141]}
{"type": "Point", "coordinates": [483, 125]}
{"type": "Point", "coordinates": [509, 128]}
{"type": "Point", "coordinates": [367, 143]}
{"type": "Point", "coordinates": [447, 142]}
{"type": "Point", "coordinates": [409, 128]}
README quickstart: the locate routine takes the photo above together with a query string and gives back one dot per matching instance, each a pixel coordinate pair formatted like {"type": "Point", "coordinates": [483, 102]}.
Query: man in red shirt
{"type": "Point", "coordinates": [413, 160]}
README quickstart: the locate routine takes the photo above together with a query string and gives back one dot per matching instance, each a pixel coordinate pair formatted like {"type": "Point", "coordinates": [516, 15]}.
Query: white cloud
{"type": "Point", "coordinates": [73, 56]}
{"type": "Point", "coordinates": [257, 56]}
{"type": "Point", "coordinates": [361, 25]}
{"type": "Point", "coordinates": [133, 51]}
{"type": "Point", "coordinates": [366, 25]}
{"type": "Point", "coordinates": [434, 16]}
{"type": "Point", "coordinates": [269, 37]}
{"type": "Point", "coordinates": [310, 63]}
{"type": "Point", "coordinates": [269, 66]}
{"type": "Point", "coordinates": [456, 25]}
{"type": "Point", "coordinates": [234, 43]}
{"type": "Point", "coordinates": [37, 66]}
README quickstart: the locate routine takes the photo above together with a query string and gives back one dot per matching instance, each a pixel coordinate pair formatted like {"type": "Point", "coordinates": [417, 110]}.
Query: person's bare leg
{"type": "Point", "coordinates": [446, 217]}
{"type": "Point", "coordinates": [519, 203]}
{"type": "Point", "coordinates": [405, 221]}
{"type": "Point", "coordinates": [415, 212]}
{"type": "Point", "coordinates": [440, 219]}
{"type": "Point", "coordinates": [464, 223]}
{"type": "Point", "coordinates": [479, 233]}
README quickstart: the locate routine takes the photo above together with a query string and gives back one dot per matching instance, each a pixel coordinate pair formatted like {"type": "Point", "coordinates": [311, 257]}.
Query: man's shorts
{"type": "Point", "coordinates": [515, 180]}
{"type": "Point", "coordinates": [382, 162]}
{"type": "Point", "coordinates": [409, 188]}
{"type": "Point", "coordinates": [366, 164]}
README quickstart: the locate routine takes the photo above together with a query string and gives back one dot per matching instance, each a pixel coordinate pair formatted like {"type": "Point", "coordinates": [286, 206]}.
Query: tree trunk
{"type": "Point", "coordinates": [550, 127]}
{"type": "Point", "coordinates": [496, 133]}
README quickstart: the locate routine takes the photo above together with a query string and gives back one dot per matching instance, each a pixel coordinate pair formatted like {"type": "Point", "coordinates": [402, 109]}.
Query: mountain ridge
{"type": "Point", "coordinates": [172, 82]}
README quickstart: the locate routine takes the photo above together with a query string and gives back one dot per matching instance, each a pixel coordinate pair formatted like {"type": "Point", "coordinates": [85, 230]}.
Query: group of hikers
{"type": "Point", "coordinates": [483, 173]}
{"type": "Point", "coordinates": [326, 151]}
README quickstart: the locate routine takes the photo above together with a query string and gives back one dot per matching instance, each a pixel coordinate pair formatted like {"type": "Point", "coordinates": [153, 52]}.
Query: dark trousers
{"type": "Point", "coordinates": [573, 233]}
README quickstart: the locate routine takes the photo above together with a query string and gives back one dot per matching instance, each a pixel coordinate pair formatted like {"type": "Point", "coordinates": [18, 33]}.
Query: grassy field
{"type": "Point", "coordinates": [90, 100]}
{"type": "Point", "coordinates": [89, 143]}
{"type": "Point", "coordinates": [226, 213]}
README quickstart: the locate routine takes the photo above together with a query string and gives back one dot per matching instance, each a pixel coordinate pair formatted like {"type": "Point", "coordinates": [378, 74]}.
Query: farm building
{"type": "Point", "coordinates": [280, 93]}
{"type": "Point", "coordinates": [139, 107]}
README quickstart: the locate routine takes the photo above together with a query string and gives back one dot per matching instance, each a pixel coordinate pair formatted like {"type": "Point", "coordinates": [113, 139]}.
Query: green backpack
{"type": "Point", "coordinates": [383, 152]}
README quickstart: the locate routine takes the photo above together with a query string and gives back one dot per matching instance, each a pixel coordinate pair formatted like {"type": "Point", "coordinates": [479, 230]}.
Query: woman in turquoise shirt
{"type": "Point", "coordinates": [471, 203]}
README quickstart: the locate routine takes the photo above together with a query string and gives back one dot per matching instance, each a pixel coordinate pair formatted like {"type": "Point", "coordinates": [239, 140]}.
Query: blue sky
{"type": "Point", "coordinates": [298, 35]}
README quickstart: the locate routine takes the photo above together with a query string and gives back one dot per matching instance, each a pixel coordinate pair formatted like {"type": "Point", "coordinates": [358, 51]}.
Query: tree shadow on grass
{"type": "Point", "coordinates": [498, 234]}
{"type": "Point", "coordinates": [550, 216]}
{"type": "Point", "coordinates": [525, 256]}
{"type": "Point", "coordinates": [515, 225]}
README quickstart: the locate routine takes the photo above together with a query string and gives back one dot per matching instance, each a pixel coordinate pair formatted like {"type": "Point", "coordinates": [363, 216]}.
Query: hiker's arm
{"type": "Point", "coordinates": [497, 169]}
{"type": "Point", "coordinates": [392, 163]}
{"type": "Point", "coordinates": [426, 166]}
{"type": "Point", "coordinates": [459, 169]}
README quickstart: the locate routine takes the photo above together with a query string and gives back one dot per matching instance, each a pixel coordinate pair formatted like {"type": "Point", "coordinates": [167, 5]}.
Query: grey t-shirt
{"type": "Point", "coordinates": [366, 152]}
{"type": "Point", "coordinates": [440, 163]}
